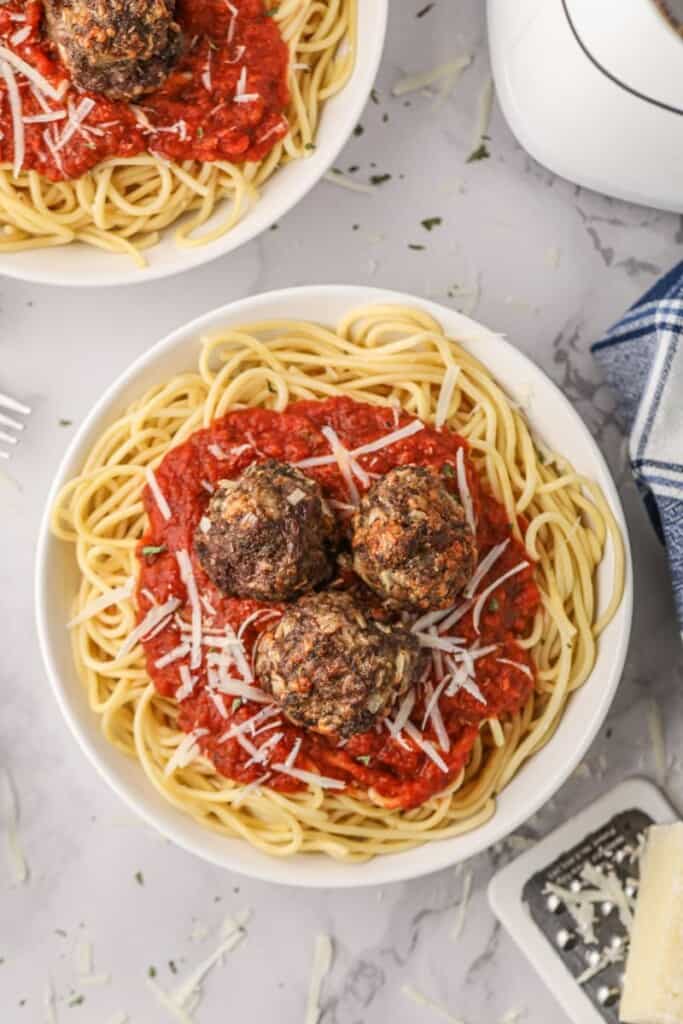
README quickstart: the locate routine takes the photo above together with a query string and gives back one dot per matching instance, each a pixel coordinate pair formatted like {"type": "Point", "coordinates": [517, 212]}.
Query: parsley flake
{"type": "Point", "coordinates": [364, 759]}
{"type": "Point", "coordinates": [425, 10]}
{"type": "Point", "coordinates": [416, 248]}
{"type": "Point", "coordinates": [139, 878]}
{"type": "Point", "coordinates": [480, 153]}
{"type": "Point", "coordinates": [151, 972]}
{"type": "Point", "coordinates": [76, 1000]}
{"type": "Point", "coordinates": [153, 549]}
{"type": "Point", "coordinates": [429, 223]}
{"type": "Point", "coordinates": [358, 130]}
{"type": "Point", "coordinates": [379, 179]}
{"type": "Point", "coordinates": [65, 423]}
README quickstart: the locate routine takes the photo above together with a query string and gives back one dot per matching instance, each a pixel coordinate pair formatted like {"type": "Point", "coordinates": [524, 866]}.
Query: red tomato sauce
{"type": "Point", "coordinates": [403, 777]}
{"type": "Point", "coordinates": [193, 116]}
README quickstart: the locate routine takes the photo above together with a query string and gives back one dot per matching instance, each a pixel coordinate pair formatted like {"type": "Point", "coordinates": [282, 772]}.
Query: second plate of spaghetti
{"type": "Point", "coordinates": [344, 606]}
{"type": "Point", "coordinates": [173, 132]}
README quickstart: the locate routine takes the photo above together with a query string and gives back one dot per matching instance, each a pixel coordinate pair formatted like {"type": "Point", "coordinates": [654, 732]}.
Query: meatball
{"type": "Point", "coordinates": [268, 535]}
{"type": "Point", "coordinates": [331, 667]}
{"type": "Point", "coordinates": [120, 48]}
{"type": "Point", "coordinates": [411, 541]}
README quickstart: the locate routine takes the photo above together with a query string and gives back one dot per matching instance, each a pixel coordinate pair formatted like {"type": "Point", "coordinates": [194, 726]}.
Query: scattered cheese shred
{"type": "Point", "coordinates": [464, 488]}
{"type": "Point", "coordinates": [188, 578]}
{"type": "Point", "coordinates": [155, 619]}
{"type": "Point", "coordinates": [424, 745]}
{"type": "Point", "coordinates": [157, 493]}
{"type": "Point", "coordinates": [182, 1001]}
{"type": "Point", "coordinates": [312, 778]}
{"type": "Point", "coordinates": [49, 1003]}
{"type": "Point", "coordinates": [322, 961]}
{"type": "Point", "coordinates": [110, 597]}
{"type": "Point", "coordinates": [483, 597]}
{"type": "Point", "coordinates": [29, 72]}
{"type": "Point", "coordinates": [518, 665]}
{"type": "Point", "coordinates": [186, 751]}
{"type": "Point", "coordinates": [448, 72]}
{"type": "Point", "coordinates": [337, 178]}
{"type": "Point", "coordinates": [393, 438]}
{"type": "Point", "coordinates": [484, 566]}
{"type": "Point", "coordinates": [10, 815]}
{"type": "Point", "coordinates": [446, 395]}
{"type": "Point", "coordinates": [461, 912]}
{"type": "Point", "coordinates": [410, 992]}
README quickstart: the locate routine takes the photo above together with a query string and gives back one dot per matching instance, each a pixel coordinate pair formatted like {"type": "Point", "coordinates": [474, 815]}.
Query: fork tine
{"type": "Point", "coordinates": [7, 421]}
{"type": "Point", "coordinates": [11, 403]}
{"type": "Point", "coordinates": [8, 438]}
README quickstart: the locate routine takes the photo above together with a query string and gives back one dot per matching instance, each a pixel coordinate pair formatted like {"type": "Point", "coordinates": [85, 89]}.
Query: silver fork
{"type": "Point", "coordinates": [10, 422]}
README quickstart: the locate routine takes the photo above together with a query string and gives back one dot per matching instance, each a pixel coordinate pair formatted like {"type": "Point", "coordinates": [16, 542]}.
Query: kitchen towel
{"type": "Point", "coordinates": [642, 359]}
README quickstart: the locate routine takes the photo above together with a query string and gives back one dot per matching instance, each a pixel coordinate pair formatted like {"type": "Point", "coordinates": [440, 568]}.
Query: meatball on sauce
{"type": "Point", "coordinates": [332, 668]}
{"type": "Point", "coordinates": [268, 535]}
{"type": "Point", "coordinates": [411, 541]}
{"type": "Point", "coordinates": [345, 739]}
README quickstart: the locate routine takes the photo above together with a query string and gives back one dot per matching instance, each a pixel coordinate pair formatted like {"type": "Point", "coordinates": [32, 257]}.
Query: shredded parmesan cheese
{"type": "Point", "coordinates": [463, 487]}
{"type": "Point", "coordinates": [186, 751]}
{"type": "Point", "coordinates": [421, 1000]}
{"type": "Point", "coordinates": [34, 76]}
{"type": "Point", "coordinates": [10, 814]}
{"type": "Point", "coordinates": [446, 395]}
{"type": "Point", "coordinates": [461, 913]}
{"type": "Point", "coordinates": [157, 494]}
{"type": "Point", "coordinates": [483, 597]}
{"type": "Point", "coordinates": [188, 578]}
{"type": "Point", "coordinates": [484, 566]}
{"type": "Point", "coordinates": [155, 619]}
{"type": "Point", "coordinates": [312, 778]}
{"type": "Point", "coordinates": [337, 178]}
{"type": "Point", "coordinates": [445, 73]}
{"type": "Point", "coordinates": [322, 961]}
{"type": "Point", "coordinates": [424, 745]}
{"type": "Point", "coordinates": [110, 597]}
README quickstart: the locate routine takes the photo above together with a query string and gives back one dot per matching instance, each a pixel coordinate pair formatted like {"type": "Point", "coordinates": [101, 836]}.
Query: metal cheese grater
{"type": "Point", "coordinates": [568, 901]}
{"type": "Point", "coordinates": [594, 952]}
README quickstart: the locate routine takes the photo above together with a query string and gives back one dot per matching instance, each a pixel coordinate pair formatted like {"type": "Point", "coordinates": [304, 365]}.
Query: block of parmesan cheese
{"type": "Point", "coordinates": [653, 985]}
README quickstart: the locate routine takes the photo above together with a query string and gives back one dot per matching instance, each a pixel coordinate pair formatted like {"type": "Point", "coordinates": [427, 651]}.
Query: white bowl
{"type": "Point", "coordinates": [552, 417]}
{"type": "Point", "coordinates": [82, 266]}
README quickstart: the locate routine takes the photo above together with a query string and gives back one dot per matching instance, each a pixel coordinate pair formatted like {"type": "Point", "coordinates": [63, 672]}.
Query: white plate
{"type": "Point", "coordinates": [81, 265]}
{"type": "Point", "coordinates": [552, 417]}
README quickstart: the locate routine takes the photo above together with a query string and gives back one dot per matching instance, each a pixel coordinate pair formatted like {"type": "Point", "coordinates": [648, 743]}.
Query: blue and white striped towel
{"type": "Point", "coordinates": [642, 358]}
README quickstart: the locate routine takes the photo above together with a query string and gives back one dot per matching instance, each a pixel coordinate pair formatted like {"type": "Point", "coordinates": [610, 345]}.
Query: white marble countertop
{"type": "Point", "coordinates": [556, 265]}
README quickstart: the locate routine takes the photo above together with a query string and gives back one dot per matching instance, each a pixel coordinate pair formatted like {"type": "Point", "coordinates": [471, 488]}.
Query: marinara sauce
{"type": "Point", "coordinates": [404, 778]}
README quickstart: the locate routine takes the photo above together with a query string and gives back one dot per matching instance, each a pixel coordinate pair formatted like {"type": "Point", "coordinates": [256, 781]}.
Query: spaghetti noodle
{"type": "Point", "coordinates": [398, 362]}
{"type": "Point", "coordinates": [116, 175]}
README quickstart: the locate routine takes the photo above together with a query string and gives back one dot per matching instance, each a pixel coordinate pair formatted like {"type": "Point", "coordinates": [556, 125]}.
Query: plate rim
{"type": "Point", "coordinates": [274, 869]}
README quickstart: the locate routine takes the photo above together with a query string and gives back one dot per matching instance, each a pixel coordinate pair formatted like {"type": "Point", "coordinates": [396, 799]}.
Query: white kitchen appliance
{"type": "Point", "coordinates": [593, 89]}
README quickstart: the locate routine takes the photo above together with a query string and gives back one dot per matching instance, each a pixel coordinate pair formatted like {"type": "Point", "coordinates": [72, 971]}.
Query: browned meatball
{"type": "Point", "coordinates": [268, 535]}
{"type": "Point", "coordinates": [120, 48]}
{"type": "Point", "coordinates": [331, 667]}
{"type": "Point", "coordinates": [411, 541]}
